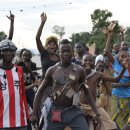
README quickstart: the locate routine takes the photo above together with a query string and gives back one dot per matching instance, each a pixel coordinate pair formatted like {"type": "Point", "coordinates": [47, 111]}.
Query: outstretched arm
{"type": "Point", "coordinates": [111, 79]}
{"type": "Point", "coordinates": [39, 32]}
{"type": "Point", "coordinates": [11, 30]}
{"type": "Point", "coordinates": [115, 85]}
{"type": "Point", "coordinates": [35, 84]}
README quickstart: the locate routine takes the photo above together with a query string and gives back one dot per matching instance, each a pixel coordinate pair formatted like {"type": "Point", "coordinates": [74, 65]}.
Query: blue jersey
{"type": "Point", "coordinates": [121, 92]}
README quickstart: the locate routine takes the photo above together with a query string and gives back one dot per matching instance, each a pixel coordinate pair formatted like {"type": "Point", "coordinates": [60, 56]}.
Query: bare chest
{"type": "Point", "coordinates": [67, 77]}
{"type": "Point", "coordinates": [93, 82]}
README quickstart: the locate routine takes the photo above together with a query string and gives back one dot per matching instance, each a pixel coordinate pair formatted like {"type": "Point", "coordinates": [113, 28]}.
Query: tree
{"type": "Point", "coordinates": [98, 40]}
{"type": "Point", "coordinates": [2, 36]}
{"type": "Point", "coordinates": [77, 37]}
{"type": "Point", "coordinates": [127, 34]}
{"type": "Point", "coordinates": [100, 19]}
{"type": "Point", "coordinates": [59, 30]}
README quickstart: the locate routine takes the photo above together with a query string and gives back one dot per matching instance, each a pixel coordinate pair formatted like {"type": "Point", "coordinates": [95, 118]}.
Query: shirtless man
{"type": "Point", "coordinates": [93, 79]}
{"type": "Point", "coordinates": [67, 78]}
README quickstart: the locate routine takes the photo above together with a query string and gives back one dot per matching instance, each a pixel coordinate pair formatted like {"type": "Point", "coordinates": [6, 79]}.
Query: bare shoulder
{"type": "Point", "coordinates": [100, 74]}
{"type": "Point", "coordinates": [50, 71]}
{"type": "Point", "coordinates": [78, 68]}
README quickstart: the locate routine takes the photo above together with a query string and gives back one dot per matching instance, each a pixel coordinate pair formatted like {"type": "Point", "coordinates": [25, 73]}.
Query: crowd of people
{"type": "Point", "coordinates": [76, 91]}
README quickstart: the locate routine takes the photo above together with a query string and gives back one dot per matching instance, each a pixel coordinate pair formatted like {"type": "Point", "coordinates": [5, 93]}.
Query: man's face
{"type": "Point", "coordinates": [26, 56]}
{"type": "Point", "coordinates": [79, 48]}
{"type": "Point", "coordinates": [116, 48]}
{"type": "Point", "coordinates": [100, 67]}
{"type": "Point", "coordinates": [8, 55]}
{"type": "Point", "coordinates": [66, 53]}
{"type": "Point", "coordinates": [124, 46]}
{"type": "Point", "coordinates": [88, 62]}
{"type": "Point", "coordinates": [123, 56]}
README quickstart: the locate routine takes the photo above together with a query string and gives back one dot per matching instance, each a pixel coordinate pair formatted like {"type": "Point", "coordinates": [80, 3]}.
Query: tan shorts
{"type": "Point", "coordinates": [104, 101]}
{"type": "Point", "coordinates": [107, 123]}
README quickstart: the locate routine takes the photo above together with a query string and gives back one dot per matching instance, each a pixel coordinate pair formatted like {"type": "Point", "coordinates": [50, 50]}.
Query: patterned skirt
{"type": "Point", "coordinates": [120, 111]}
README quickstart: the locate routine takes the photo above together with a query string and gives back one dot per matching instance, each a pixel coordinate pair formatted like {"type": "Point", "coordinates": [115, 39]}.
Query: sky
{"type": "Point", "coordinates": [74, 15]}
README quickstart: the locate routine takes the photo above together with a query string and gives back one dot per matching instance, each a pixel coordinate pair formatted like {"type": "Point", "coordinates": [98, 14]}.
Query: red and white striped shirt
{"type": "Point", "coordinates": [13, 105]}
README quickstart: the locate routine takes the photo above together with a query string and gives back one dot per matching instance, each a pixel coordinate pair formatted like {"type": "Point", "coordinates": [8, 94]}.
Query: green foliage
{"type": "Point", "coordinates": [100, 19]}
{"type": "Point", "coordinates": [59, 30]}
{"type": "Point", "coordinates": [127, 34]}
{"type": "Point", "coordinates": [98, 40]}
{"type": "Point", "coordinates": [2, 36]}
{"type": "Point", "coordinates": [77, 37]}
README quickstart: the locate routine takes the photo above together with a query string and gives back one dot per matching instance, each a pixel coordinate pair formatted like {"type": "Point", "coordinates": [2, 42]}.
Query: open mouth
{"type": "Point", "coordinates": [52, 48]}
{"type": "Point", "coordinates": [100, 70]}
{"type": "Point", "coordinates": [87, 66]}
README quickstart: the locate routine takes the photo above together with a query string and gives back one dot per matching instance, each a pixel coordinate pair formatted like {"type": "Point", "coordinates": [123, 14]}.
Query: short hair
{"type": "Point", "coordinates": [28, 51]}
{"type": "Point", "coordinates": [21, 52]}
{"type": "Point", "coordinates": [89, 55]}
{"type": "Point", "coordinates": [124, 42]}
{"type": "Point", "coordinates": [65, 41]}
{"type": "Point", "coordinates": [99, 61]}
{"type": "Point", "coordinates": [51, 39]}
{"type": "Point", "coordinates": [115, 44]}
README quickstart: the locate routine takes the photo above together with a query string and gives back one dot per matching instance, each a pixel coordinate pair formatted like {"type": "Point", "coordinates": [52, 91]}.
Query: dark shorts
{"type": "Point", "coordinates": [71, 116]}
{"type": "Point", "coordinates": [17, 128]}
{"type": "Point", "coordinates": [30, 94]}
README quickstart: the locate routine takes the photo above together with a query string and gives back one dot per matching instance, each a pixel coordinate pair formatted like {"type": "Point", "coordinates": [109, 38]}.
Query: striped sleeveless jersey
{"type": "Point", "coordinates": [13, 105]}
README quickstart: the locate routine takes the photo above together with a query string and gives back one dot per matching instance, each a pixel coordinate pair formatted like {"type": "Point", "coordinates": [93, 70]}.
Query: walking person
{"type": "Point", "coordinates": [67, 79]}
